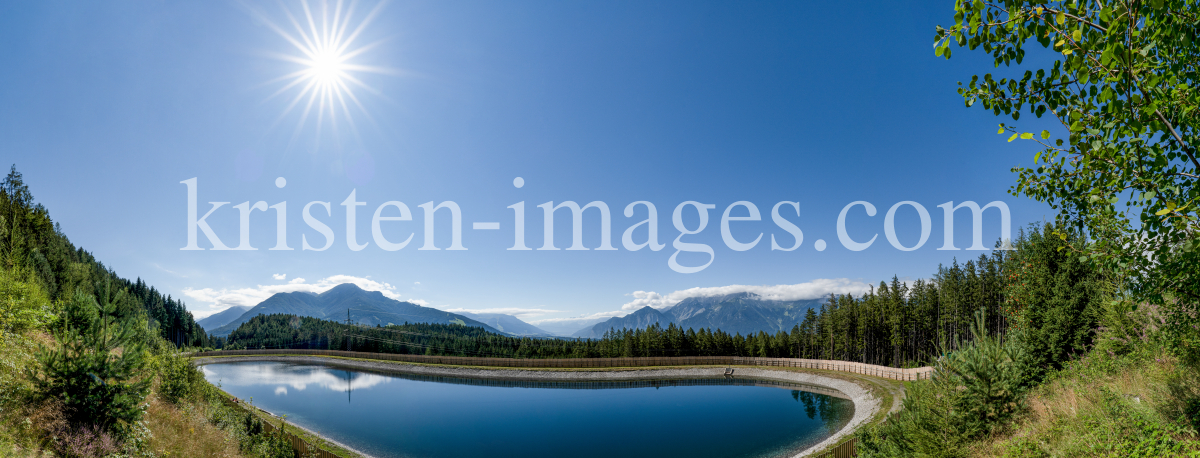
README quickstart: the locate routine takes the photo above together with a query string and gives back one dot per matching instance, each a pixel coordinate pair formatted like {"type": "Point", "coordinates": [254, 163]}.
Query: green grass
{"type": "Point", "coordinates": [311, 438]}
{"type": "Point", "coordinates": [1132, 406]}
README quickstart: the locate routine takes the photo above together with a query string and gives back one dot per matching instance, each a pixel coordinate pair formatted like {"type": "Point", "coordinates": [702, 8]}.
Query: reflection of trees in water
{"type": "Point", "coordinates": [834, 412]}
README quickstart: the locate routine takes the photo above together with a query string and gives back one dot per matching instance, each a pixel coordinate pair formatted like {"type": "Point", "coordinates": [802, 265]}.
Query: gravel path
{"type": "Point", "coordinates": [865, 404]}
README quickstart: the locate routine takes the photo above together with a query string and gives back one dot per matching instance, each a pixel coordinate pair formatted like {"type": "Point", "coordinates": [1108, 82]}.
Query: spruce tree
{"type": "Point", "coordinates": [93, 371]}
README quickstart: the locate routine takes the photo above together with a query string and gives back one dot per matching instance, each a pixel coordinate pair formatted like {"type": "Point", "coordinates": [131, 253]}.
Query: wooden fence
{"type": "Point", "coordinates": [920, 373]}
{"type": "Point", "coordinates": [848, 449]}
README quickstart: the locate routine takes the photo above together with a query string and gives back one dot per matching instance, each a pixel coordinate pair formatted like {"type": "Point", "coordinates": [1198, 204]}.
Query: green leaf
{"type": "Point", "coordinates": [1076, 35]}
{"type": "Point", "coordinates": [1000, 131]}
{"type": "Point", "coordinates": [1013, 137]}
{"type": "Point", "coordinates": [1026, 136]}
{"type": "Point", "coordinates": [1036, 157]}
{"type": "Point", "coordinates": [1062, 17]}
{"type": "Point", "coordinates": [1045, 134]}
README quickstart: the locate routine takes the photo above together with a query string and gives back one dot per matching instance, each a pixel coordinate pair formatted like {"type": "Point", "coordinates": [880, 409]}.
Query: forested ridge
{"type": "Point", "coordinates": [90, 364]}
{"type": "Point", "coordinates": [35, 242]}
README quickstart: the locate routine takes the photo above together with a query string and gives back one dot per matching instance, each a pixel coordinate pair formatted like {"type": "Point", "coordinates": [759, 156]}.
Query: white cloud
{"type": "Point", "coordinates": [279, 276]}
{"type": "Point", "coordinates": [217, 300]}
{"type": "Point", "coordinates": [810, 290]}
{"type": "Point", "coordinates": [517, 312]}
{"type": "Point", "coordinates": [417, 283]}
{"type": "Point", "coordinates": [164, 269]}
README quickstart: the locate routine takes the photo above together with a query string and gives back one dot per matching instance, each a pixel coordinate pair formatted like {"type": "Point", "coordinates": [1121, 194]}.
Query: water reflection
{"type": "Point", "coordinates": [413, 416]}
{"type": "Point", "coordinates": [286, 376]}
{"type": "Point", "coordinates": [823, 407]}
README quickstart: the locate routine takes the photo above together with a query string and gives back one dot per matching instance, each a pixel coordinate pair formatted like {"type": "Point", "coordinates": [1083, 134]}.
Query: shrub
{"type": "Point", "coordinates": [96, 370]}
{"type": "Point", "coordinates": [24, 305]}
{"type": "Point", "coordinates": [178, 378]}
{"type": "Point", "coordinates": [987, 377]}
{"type": "Point", "coordinates": [973, 390]}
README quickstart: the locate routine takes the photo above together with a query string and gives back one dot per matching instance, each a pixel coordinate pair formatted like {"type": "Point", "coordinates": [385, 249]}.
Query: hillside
{"type": "Point", "coordinates": [641, 319]}
{"type": "Point", "coordinates": [90, 363]}
{"type": "Point", "coordinates": [348, 301]}
{"type": "Point", "coordinates": [223, 317]}
{"type": "Point", "coordinates": [739, 313]}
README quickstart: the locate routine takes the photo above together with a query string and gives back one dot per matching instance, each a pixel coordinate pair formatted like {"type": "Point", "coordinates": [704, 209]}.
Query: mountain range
{"type": "Point", "coordinates": [223, 317]}
{"type": "Point", "coordinates": [348, 302]}
{"type": "Point", "coordinates": [740, 313]}
{"type": "Point", "coordinates": [508, 324]}
{"type": "Point", "coordinates": [743, 313]}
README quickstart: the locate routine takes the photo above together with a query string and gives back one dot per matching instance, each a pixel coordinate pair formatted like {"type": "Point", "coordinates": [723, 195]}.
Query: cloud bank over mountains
{"type": "Point", "coordinates": [520, 313]}
{"type": "Point", "coordinates": [218, 300]}
{"type": "Point", "coordinates": [815, 289]}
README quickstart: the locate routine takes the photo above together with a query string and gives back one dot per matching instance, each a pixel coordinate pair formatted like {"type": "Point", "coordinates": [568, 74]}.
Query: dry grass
{"type": "Point", "coordinates": [1105, 411]}
{"type": "Point", "coordinates": [185, 432]}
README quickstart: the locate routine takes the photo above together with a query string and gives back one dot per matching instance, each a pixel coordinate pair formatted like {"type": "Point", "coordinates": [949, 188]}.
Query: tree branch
{"type": "Point", "coordinates": [1077, 18]}
{"type": "Point", "coordinates": [1182, 144]}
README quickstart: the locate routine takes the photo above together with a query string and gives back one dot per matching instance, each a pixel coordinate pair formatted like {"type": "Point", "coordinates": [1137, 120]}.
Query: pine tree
{"type": "Point", "coordinates": [92, 372]}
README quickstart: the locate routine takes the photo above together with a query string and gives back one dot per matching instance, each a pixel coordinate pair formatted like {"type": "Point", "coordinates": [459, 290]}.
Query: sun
{"type": "Point", "coordinates": [326, 68]}
{"type": "Point", "coordinates": [325, 40]}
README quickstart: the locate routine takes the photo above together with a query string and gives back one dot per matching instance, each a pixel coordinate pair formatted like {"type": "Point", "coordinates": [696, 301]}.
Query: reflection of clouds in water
{"type": "Point", "coordinates": [297, 377]}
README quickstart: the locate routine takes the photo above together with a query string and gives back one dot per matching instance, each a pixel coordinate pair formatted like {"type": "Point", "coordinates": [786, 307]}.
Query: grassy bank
{"type": "Point", "coordinates": [1132, 395]}
{"type": "Point", "coordinates": [50, 355]}
{"type": "Point", "coordinates": [1133, 406]}
{"type": "Point", "coordinates": [306, 435]}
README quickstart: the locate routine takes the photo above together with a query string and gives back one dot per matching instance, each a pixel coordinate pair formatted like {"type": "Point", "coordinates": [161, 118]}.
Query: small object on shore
{"type": "Point", "coordinates": [729, 372]}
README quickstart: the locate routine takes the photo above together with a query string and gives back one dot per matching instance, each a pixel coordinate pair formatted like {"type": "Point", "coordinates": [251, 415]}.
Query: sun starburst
{"type": "Point", "coordinates": [325, 48]}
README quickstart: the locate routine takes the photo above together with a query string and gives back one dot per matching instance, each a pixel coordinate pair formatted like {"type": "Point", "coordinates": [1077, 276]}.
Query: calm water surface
{"type": "Point", "coordinates": [419, 417]}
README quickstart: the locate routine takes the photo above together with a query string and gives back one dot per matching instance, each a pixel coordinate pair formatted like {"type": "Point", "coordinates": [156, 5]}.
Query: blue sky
{"type": "Point", "coordinates": [109, 106]}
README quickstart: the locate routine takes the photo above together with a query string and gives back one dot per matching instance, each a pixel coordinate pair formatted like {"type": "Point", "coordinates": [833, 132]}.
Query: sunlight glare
{"type": "Point", "coordinates": [326, 81]}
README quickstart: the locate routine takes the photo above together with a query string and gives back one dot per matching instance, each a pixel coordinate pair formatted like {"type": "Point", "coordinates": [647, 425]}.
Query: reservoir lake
{"type": "Point", "coordinates": [410, 416]}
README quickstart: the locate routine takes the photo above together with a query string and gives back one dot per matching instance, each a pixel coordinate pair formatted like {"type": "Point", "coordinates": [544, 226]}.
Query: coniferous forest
{"type": "Point", "coordinates": [35, 242]}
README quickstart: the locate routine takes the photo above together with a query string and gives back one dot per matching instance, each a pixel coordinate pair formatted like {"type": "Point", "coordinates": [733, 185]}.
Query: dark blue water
{"type": "Point", "coordinates": [411, 416]}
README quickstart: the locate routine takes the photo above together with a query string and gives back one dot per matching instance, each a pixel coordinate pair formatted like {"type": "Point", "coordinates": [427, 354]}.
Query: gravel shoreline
{"type": "Point", "coordinates": [865, 404]}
